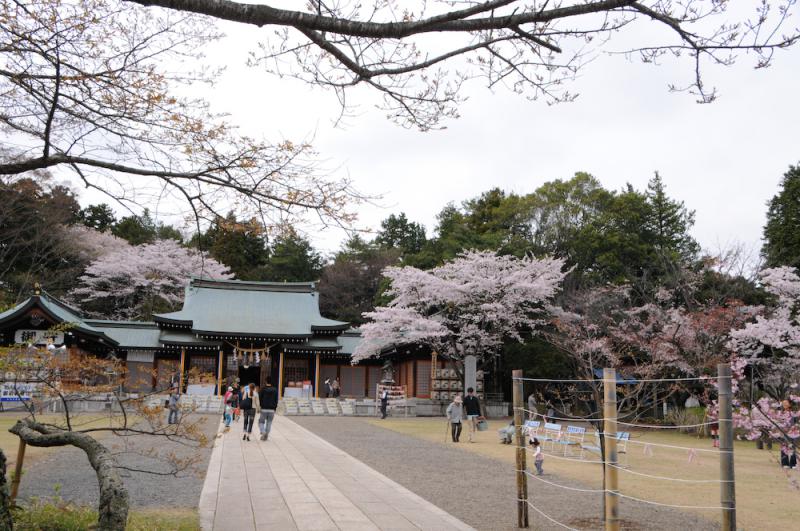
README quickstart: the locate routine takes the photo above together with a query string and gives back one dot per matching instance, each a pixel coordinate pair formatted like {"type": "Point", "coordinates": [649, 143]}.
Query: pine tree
{"type": "Point", "coordinates": [782, 231]}
{"type": "Point", "coordinates": [670, 222]}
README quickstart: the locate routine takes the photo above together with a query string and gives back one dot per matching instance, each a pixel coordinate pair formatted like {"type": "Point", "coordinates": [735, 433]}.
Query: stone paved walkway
{"type": "Point", "coordinates": [297, 481]}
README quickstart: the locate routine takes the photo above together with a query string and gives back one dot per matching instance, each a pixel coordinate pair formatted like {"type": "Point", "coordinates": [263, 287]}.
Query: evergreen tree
{"type": "Point", "coordinates": [670, 222]}
{"type": "Point", "coordinates": [240, 245]}
{"type": "Point", "coordinates": [98, 217]}
{"type": "Point", "coordinates": [292, 259]}
{"type": "Point", "coordinates": [136, 229]}
{"type": "Point", "coordinates": [399, 233]}
{"type": "Point", "coordinates": [782, 231]}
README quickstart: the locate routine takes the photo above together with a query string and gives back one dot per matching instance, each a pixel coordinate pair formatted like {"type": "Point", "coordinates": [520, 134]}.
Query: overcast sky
{"type": "Point", "coordinates": [724, 160]}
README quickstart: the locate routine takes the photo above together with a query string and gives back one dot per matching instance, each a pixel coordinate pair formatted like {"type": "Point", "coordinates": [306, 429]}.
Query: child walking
{"type": "Point", "coordinates": [538, 456]}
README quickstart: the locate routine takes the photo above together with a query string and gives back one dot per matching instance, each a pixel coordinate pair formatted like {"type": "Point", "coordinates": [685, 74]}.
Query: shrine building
{"type": "Point", "coordinates": [227, 331]}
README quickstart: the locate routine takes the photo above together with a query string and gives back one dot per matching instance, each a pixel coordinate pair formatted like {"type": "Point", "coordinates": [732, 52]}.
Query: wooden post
{"type": "Point", "coordinates": [316, 377]}
{"type": "Point", "coordinates": [522, 478]}
{"type": "Point", "coordinates": [183, 366]}
{"type": "Point", "coordinates": [280, 376]}
{"type": "Point", "coordinates": [220, 391]}
{"type": "Point", "coordinates": [610, 431]}
{"type": "Point", "coordinates": [727, 486]}
{"type": "Point", "coordinates": [18, 470]}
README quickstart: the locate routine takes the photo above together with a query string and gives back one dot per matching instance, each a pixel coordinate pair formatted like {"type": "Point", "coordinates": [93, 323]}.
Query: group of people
{"type": "Point", "coordinates": [249, 401]}
{"type": "Point", "coordinates": [468, 408]}
{"type": "Point", "coordinates": [333, 388]}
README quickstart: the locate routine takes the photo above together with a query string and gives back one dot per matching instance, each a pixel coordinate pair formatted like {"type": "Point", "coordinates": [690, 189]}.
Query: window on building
{"type": "Point", "coordinates": [295, 370]}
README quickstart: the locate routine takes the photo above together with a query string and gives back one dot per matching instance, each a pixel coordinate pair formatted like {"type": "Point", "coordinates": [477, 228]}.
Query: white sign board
{"type": "Point", "coordinates": [38, 337]}
{"type": "Point", "coordinates": [200, 389]}
{"type": "Point", "coordinates": [16, 392]}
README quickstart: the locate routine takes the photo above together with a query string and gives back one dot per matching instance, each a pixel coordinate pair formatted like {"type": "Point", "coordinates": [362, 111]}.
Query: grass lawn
{"type": "Point", "coordinates": [9, 442]}
{"type": "Point", "coordinates": [67, 517]}
{"type": "Point", "coordinates": [767, 497]}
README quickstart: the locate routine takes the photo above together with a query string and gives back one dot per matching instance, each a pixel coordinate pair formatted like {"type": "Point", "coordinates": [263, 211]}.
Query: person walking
{"type": "Point", "coordinates": [384, 402]}
{"type": "Point", "coordinates": [172, 405]}
{"type": "Point", "coordinates": [455, 412]}
{"type": "Point", "coordinates": [248, 411]}
{"type": "Point", "coordinates": [337, 388]}
{"type": "Point", "coordinates": [538, 456]}
{"type": "Point", "coordinates": [328, 388]}
{"type": "Point", "coordinates": [268, 397]}
{"type": "Point", "coordinates": [228, 415]}
{"type": "Point", "coordinates": [472, 406]}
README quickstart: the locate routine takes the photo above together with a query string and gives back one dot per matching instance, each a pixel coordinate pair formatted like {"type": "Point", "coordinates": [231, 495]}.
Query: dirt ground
{"type": "Point", "coordinates": [479, 489]}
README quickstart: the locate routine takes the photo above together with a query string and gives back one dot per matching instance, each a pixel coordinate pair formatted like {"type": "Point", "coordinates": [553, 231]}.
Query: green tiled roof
{"type": "Point", "coordinates": [349, 340]}
{"type": "Point", "coordinates": [130, 334]}
{"type": "Point", "coordinates": [58, 311]}
{"type": "Point", "coordinates": [277, 309]}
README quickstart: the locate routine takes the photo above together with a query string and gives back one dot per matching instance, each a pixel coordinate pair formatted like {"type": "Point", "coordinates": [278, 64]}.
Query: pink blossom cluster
{"type": "Point", "coordinates": [467, 306]}
{"type": "Point", "coordinates": [130, 277]}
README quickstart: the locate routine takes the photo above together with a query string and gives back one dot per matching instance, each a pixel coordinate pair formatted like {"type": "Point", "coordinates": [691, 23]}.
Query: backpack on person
{"type": "Point", "coordinates": [247, 402]}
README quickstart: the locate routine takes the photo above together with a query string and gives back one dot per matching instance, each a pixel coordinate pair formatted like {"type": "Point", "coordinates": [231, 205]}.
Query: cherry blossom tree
{"type": "Point", "coordinates": [136, 281]}
{"type": "Point", "coordinates": [468, 306]}
{"type": "Point", "coordinates": [770, 347]}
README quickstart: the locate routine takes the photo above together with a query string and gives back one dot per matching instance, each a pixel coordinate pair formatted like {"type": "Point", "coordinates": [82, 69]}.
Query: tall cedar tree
{"type": "Point", "coordinates": [782, 231]}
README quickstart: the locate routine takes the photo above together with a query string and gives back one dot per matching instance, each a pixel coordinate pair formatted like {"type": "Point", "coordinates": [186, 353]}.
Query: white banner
{"type": "Point", "coordinates": [38, 337]}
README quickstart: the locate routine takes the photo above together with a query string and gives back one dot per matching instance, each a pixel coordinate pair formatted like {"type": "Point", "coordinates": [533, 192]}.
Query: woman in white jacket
{"type": "Point", "coordinates": [455, 412]}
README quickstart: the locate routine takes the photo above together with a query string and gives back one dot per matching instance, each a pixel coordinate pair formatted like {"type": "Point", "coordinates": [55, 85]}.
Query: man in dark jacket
{"type": "Point", "coordinates": [472, 408]}
{"type": "Point", "coordinates": [268, 398]}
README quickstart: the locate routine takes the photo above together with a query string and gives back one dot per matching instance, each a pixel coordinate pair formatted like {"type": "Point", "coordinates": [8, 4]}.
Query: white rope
{"type": "Point", "coordinates": [590, 461]}
{"type": "Point", "coordinates": [532, 506]}
{"type": "Point", "coordinates": [528, 473]}
{"type": "Point", "coordinates": [632, 380]}
{"type": "Point", "coordinates": [629, 471]}
{"type": "Point", "coordinates": [716, 451]}
{"type": "Point", "coordinates": [603, 419]}
{"type": "Point", "coordinates": [715, 508]}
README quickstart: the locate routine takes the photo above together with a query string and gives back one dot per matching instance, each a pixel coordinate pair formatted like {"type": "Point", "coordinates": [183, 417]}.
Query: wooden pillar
{"type": "Point", "coordinates": [18, 470]}
{"type": "Point", "coordinates": [522, 479]}
{"type": "Point", "coordinates": [316, 376]}
{"type": "Point", "coordinates": [610, 431]}
{"type": "Point", "coordinates": [220, 391]}
{"type": "Point", "coordinates": [727, 487]}
{"type": "Point", "coordinates": [183, 366]}
{"type": "Point", "coordinates": [412, 387]}
{"type": "Point", "coordinates": [280, 376]}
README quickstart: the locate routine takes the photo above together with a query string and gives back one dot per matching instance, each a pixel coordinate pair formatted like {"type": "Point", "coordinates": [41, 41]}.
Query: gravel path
{"type": "Point", "coordinates": [67, 473]}
{"type": "Point", "coordinates": [480, 490]}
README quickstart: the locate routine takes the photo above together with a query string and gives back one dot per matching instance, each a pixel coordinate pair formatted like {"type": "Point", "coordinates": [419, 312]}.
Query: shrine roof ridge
{"type": "Point", "coordinates": [251, 285]}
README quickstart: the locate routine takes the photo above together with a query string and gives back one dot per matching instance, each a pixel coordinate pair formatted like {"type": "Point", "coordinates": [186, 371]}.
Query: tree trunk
{"type": "Point", "coordinates": [6, 522]}
{"type": "Point", "coordinates": [113, 506]}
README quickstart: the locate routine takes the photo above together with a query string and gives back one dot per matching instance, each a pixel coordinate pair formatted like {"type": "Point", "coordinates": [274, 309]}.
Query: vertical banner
{"type": "Point", "coordinates": [470, 373]}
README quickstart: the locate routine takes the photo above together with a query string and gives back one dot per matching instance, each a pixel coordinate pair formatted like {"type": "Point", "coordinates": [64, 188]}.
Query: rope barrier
{"type": "Point", "coordinates": [631, 381]}
{"type": "Point", "coordinates": [576, 489]}
{"type": "Point", "coordinates": [715, 508]}
{"type": "Point", "coordinates": [532, 506]}
{"type": "Point", "coordinates": [715, 450]}
{"type": "Point", "coordinates": [628, 470]}
{"type": "Point", "coordinates": [603, 419]}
